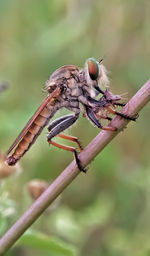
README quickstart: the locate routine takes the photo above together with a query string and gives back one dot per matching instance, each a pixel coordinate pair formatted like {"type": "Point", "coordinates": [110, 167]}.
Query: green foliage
{"type": "Point", "coordinates": [45, 244]}
{"type": "Point", "coordinates": [105, 212]}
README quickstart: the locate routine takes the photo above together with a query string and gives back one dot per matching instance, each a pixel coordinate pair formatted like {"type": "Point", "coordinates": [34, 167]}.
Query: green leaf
{"type": "Point", "coordinates": [3, 225]}
{"type": "Point", "coordinates": [36, 240]}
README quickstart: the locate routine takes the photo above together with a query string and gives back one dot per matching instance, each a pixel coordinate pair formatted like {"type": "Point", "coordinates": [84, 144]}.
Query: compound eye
{"type": "Point", "coordinates": [93, 68]}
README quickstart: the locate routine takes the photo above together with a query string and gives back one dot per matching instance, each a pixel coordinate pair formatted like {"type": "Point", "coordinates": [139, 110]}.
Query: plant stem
{"type": "Point", "coordinates": [136, 103]}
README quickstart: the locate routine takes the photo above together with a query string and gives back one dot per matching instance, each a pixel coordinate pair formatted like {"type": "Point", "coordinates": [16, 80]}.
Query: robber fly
{"type": "Point", "coordinates": [76, 90]}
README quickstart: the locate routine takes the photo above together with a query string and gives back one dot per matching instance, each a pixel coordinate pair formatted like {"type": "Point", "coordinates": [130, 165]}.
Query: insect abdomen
{"type": "Point", "coordinates": [31, 135]}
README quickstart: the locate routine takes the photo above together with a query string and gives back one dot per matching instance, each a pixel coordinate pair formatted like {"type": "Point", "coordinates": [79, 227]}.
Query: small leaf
{"type": "Point", "coordinates": [3, 225]}
{"type": "Point", "coordinates": [36, 240]}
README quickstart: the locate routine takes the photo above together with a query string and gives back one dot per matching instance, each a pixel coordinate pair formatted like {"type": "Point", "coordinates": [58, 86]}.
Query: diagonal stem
{"type": "Point", "coordinates": [136, 103]}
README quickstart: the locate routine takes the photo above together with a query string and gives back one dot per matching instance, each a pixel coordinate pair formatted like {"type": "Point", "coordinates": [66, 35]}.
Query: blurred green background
{"type": "Point", "coordinates": [105, 212]}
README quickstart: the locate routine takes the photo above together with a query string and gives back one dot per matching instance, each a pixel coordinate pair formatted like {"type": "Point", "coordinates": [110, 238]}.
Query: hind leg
{"type": "Point", "coordinates": [59, 126]}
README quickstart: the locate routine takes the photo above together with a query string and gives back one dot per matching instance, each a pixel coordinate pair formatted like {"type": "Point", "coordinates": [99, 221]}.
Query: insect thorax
{"type": "Point", "coordinates": [74, 83]}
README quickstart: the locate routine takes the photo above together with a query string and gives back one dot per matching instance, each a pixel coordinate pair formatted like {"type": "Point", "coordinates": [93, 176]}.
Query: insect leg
{"type": "Point", "coordinates": [97, 103]}
{"type": "Point", "coordinates": [58, 127]}
{"type": "Point", "coordinates": [95, 121]}
{"type": "Point", "coordinates": [71, 149]}
{"type": "Point", "coordinates": [71, 138]}
{"type": "Point", "coordinates": [114, 112]}
{"type": "Point", "coordinates": [103, 116]}
{"type": "Point", "coordinates": [119, 104]}
{"type": "Point", "coordinates": [57, 121]}
{"type": "Point", "coordinates": [102, 92]}
{"type": "Point", "coordinates": [98, 89]}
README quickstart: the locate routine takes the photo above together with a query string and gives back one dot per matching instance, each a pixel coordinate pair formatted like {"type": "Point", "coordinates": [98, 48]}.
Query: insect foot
{"type": "Point", "coordinates": [78, 162]}
{"type": "Point", "coordinates": [132, 118]}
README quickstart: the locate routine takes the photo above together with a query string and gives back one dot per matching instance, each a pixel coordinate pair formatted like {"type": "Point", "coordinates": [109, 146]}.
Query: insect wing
{"type": "Point", "coordinates": [55, 93]}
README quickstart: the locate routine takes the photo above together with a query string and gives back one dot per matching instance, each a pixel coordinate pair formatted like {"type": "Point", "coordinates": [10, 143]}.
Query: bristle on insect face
{"type": "Point", "coordinates": [124, 94]}
{"type": "Point", "coordinates": [103, 80]}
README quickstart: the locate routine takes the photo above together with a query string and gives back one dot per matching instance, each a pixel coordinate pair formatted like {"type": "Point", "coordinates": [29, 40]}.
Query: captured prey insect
{"type": "Point", "coordinates": [76, 90]}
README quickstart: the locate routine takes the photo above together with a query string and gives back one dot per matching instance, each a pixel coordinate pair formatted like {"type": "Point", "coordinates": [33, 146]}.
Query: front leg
{"type": "Point", "coordinates": [98, 90]}
{"type": "Point", "coordinates": [88, 101]}
{"type": "Point", "coordinates": [92, 117]}
{"type": "Point", "coordinates": [114, 112]}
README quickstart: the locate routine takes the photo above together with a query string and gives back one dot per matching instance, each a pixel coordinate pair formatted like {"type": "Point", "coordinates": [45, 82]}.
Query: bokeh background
{"type": "Point", "coordinates": [105, 212]}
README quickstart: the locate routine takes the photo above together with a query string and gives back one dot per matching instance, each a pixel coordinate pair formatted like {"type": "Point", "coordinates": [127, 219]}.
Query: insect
{"type": "Point", "coordinates": [77, 90]}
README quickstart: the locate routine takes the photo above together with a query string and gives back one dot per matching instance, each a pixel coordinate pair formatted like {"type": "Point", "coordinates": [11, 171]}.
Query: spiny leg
{"type": "Point", "coordinates": [91, 115]}
{"type": "Point", "coordinates": [98, 90]}
{"type": "Point", "coordinates": [71, 138]}
{"type": "Point", "coordinates": [119, 104]}
{"type": "Point", "coordinates": [58, 121]}
{"type": "Point", "coordinates": [102, 92]}
{"type": "Point", "coordinates": [58, 126]}
{"type": "Point", "coordinates": [71, 149]}
{"type": "Point", "coordinates": [61, 124]}
{"type": "Point", "coordinates": [103, 116]}
{"type": "Point", "coordinates": [109, 128]}
{"type": "Point", "coordinates": [114, 112]}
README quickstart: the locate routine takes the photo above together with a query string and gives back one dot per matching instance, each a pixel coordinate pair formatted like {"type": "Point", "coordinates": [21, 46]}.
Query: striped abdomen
{"type": "Point", "coordinates": [33, 132]}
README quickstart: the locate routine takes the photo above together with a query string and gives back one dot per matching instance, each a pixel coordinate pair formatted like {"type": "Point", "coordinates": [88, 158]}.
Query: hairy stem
{"type": "Point", "coordinates": [136, 103]}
